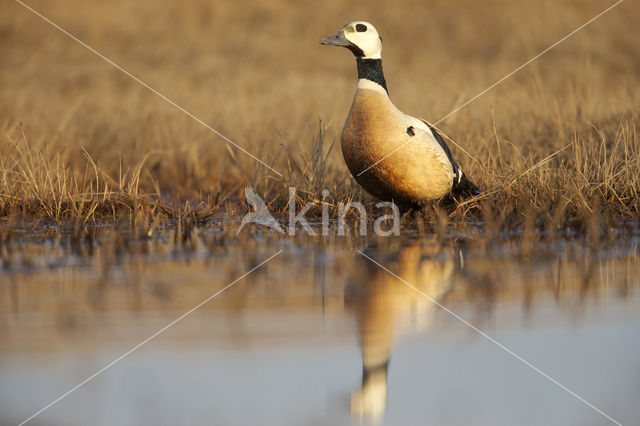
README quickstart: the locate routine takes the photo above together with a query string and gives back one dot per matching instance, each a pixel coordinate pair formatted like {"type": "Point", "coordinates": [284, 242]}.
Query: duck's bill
{"type": "Point", "coordinates": [336, 40]}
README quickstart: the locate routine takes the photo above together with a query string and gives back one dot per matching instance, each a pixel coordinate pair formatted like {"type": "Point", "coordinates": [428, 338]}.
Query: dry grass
{"type": "Point", "coordinates": [555, 146]}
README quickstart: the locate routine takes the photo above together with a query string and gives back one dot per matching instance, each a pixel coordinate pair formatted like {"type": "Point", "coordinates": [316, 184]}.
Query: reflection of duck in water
{"type": "Point", "coordinates": [382, 303]}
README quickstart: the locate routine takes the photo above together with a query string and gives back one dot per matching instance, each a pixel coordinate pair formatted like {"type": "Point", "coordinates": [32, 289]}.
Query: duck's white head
{"type": "Point", "coordinates": [360, 37]}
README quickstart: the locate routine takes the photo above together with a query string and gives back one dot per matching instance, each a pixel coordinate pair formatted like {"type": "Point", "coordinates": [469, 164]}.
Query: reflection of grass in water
{"type": "Point", "coordinates": [104, 277]}
{"type": "Point", "coordinates": [555, 147]}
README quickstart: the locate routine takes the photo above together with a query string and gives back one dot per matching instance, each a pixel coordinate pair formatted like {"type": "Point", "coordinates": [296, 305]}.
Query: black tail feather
{"type": "Point", "coordinates": [464, 188]}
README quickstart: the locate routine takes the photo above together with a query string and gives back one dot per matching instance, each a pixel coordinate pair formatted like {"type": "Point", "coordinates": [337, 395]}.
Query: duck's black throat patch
{"type": "Point", "coordinates": [371, 69]}
{"type": "Point", "coordinates": [357, 52]}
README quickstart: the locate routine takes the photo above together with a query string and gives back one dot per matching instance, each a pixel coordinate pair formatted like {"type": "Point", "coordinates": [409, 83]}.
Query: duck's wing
{"type": "Point", "coordinates": [438, 137]}
{"type": "Point", "coordinates": [462, 186]}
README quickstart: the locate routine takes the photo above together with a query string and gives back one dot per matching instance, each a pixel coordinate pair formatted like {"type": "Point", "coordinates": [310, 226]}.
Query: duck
{"type": "Point", "coordinates": [392, 155]}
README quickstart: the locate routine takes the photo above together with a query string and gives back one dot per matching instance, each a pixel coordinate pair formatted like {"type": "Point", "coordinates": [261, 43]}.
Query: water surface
{"type": "Point", "coordinates": [320, 334]}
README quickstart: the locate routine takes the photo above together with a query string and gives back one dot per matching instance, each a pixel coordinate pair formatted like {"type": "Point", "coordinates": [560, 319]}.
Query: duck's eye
{"type": "Point", "coordinates": [361, 28]}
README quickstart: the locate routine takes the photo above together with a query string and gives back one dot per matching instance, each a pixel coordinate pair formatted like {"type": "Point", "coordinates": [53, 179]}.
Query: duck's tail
{"type": "Point", "coordinates": [463, 188]}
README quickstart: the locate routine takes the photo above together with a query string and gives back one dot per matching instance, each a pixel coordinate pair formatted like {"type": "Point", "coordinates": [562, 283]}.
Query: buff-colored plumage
{"type": "Point", "coordinates": [374, 128]}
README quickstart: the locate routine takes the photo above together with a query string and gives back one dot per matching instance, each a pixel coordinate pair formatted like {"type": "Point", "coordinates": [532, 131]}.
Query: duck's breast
{"type": "Point", "coordinates": [417, 171]}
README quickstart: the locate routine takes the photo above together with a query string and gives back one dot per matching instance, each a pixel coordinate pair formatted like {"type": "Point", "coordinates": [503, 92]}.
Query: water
{"type": "Point", "coordinates": [319, 334]}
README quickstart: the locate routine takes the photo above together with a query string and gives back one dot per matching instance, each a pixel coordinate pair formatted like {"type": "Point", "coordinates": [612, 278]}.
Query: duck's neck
{"type": "Point", "coordinates": [371, 69]}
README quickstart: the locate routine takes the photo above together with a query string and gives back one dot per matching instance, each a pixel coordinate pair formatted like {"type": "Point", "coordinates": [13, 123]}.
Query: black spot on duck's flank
{"type": "Point", "coordinates": [371, 69]}
{"type": "Point", "coordinates": [361, 28]}
{"type": "Point", "coordinates": [410, 131]}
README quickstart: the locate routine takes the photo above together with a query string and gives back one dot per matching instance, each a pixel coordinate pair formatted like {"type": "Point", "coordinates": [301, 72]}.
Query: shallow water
{"type": "Point", "coordinates": [319, 334]}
